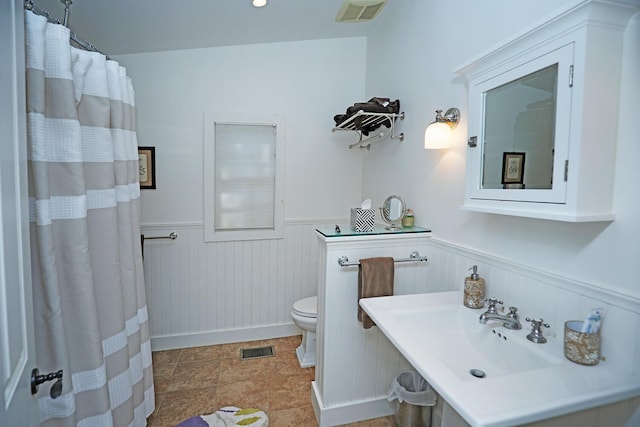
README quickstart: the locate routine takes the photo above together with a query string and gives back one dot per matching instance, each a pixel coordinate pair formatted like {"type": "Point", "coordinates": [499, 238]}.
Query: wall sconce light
{"type": "Point", "coordinates": [259, 3]}
{"type": "Point", "coordinates": [438, 134]}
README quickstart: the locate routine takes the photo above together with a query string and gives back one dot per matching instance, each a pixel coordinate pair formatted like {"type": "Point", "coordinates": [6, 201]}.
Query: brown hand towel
{"type": "Point", "coordinates": [375, 279]}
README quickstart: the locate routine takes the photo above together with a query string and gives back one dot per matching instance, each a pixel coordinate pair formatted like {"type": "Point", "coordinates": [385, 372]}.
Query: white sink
{"type": "Point", "coordinates": [469, 349]}
{"type": "Point", "coordinates": [523, 382]}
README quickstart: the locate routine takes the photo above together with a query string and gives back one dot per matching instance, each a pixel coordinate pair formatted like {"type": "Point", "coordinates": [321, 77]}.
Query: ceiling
{"type": "Point", "coordinates": [134, 26]}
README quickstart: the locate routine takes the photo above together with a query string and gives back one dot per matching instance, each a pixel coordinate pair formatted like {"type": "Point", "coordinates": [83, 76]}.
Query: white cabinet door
{"type": "Point", "coordinates": [527, 159]}
{"type": "Point", "coordinates": [17, 358]}
{"type": "Point", "coordinates": [552, 162]}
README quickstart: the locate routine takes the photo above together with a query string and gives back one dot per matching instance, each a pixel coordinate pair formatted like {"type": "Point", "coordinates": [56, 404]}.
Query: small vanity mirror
{"type": "Point", "coordinates": [392, 212]}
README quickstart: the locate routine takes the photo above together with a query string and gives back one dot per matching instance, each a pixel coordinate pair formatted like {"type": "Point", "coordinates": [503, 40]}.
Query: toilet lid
{"type": "Point", "coordinates": [307, 307]}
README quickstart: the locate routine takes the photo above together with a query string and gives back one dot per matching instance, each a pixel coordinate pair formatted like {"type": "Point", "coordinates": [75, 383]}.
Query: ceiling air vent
{"type": "Point", "coordinates": [359, 10]}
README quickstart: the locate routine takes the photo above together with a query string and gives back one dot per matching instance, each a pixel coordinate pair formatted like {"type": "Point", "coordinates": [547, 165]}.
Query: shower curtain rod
{"type": "Point", "coordinates": [28, 5]}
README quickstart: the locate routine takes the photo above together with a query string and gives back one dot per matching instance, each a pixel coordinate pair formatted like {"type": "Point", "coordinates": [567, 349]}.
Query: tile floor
{"type": "Point", "coordinates": [200, 380]}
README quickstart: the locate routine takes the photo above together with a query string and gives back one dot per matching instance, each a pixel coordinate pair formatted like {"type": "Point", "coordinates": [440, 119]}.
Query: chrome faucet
{"type": "Point", "coordinates": [509, 321]}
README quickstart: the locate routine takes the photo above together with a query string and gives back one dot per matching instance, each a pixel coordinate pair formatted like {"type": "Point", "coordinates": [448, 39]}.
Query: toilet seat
{"type": "Point", "coordinates": [306, 307]}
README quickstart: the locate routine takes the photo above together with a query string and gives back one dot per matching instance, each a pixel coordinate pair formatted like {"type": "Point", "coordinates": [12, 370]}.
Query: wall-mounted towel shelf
{"type": "Point", "coordinates": [414, 256]}
{"type": "Point", "coordinates": [363, 120]}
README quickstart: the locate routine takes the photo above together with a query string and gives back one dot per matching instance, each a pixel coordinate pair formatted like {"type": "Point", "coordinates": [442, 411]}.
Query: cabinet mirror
{"type": "Point", "coordinates": [519, 128]}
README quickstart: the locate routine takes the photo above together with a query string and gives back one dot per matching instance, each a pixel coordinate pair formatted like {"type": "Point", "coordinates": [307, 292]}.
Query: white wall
{"type": "Point", "coordinates": [236, 291]}
{"type": "Point", "coordinates": [308, 82]}
{"type": "Point", "coordinates": [422, 43]}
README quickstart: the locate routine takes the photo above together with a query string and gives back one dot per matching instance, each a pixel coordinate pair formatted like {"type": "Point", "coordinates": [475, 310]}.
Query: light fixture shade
{"type": "Point", "coordinates": [437, 135]}
{"type": "Point", "coordinates": [259, 3]}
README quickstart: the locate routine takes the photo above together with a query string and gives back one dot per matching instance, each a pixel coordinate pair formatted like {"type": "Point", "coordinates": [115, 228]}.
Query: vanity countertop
{"type": "Point", "coordinates": [528, 393]}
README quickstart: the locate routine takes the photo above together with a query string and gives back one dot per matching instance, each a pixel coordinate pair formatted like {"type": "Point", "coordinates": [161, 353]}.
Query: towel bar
{"type": "Point", "coordinates": [343, 261]}
{"type": "Point", "coordinates": [172, 236]}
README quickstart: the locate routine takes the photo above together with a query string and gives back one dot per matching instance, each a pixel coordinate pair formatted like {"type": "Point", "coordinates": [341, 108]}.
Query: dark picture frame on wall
{"type": "Point", "coordinates": [513, 168]}
{"type": "Point", "coordinates": [147, 167]}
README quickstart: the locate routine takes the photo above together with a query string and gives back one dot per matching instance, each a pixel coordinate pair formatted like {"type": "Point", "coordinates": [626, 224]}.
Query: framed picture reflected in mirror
{"type": "Point", "coordinates": [513, 168]}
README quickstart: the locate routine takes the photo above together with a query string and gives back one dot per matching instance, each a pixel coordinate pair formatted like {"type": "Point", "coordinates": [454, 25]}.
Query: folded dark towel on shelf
{"type": "Point", "coordinates": [374, 105]}
{"type": "Point", "coordinates": [375, 279]}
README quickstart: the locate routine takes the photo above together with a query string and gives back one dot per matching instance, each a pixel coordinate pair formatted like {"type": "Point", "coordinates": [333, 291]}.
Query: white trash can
{"type": "Point", "coordinates": [414, 399]}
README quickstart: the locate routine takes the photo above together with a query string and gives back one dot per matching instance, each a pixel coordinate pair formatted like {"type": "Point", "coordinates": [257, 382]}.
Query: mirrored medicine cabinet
{"type": "Point", "coordinates": [519, 118]}
{"type": "Point", "coordinates": [523, 134]}
{"type": "Point", "coordinates": [542, 117]}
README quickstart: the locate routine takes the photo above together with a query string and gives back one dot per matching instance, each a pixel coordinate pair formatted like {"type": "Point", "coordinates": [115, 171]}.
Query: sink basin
{"type": "Point", "coordinates": [469, 349]}
{"type": "Point", "coordinates": [492, 376]}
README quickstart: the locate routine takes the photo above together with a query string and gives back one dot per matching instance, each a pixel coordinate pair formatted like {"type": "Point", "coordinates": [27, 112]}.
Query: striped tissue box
{"type": "Point", "coordinates": [362, 220]}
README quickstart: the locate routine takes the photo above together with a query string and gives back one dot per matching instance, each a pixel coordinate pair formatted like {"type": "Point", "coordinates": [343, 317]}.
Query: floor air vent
{"type": "Point", "coordinates": [258, 352]}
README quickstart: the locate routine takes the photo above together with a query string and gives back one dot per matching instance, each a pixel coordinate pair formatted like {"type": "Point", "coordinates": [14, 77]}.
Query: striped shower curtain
{"type": "Point", "coordinates": [88, 285]}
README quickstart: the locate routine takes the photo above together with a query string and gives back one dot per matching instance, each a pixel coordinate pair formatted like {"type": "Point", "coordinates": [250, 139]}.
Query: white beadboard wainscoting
{"type": "Point", "coordinates": [355, 366]}
{"type": "Point", "coordinates": [200, 294]}
{"type": "Point", "coordinates": [210, 293]}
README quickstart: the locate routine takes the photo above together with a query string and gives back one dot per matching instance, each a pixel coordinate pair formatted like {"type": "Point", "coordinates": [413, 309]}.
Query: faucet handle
{"type": "Point", "coordinates": [493, 301]}
{"type": "Point", "coordinates": [492, 304]}
{"type": "Point", "coordinates": [536, 332]}
{"type": "Point", "coordinates": [513, 312]}
{"type": "Point", "coordinates": [536, 324]}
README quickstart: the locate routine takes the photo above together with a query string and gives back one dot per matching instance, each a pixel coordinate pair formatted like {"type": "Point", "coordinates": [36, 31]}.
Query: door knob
{"type": "Point", "coordinates": [37, 379]}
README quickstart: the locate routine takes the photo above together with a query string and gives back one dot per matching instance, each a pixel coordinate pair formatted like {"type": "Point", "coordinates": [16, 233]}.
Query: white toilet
{"type": "Point", "coordinates": [305, 316]}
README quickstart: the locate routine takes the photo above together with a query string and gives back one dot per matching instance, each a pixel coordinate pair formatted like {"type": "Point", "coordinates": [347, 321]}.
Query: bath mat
{"type": "Point", "coordinates": [227, 417]}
